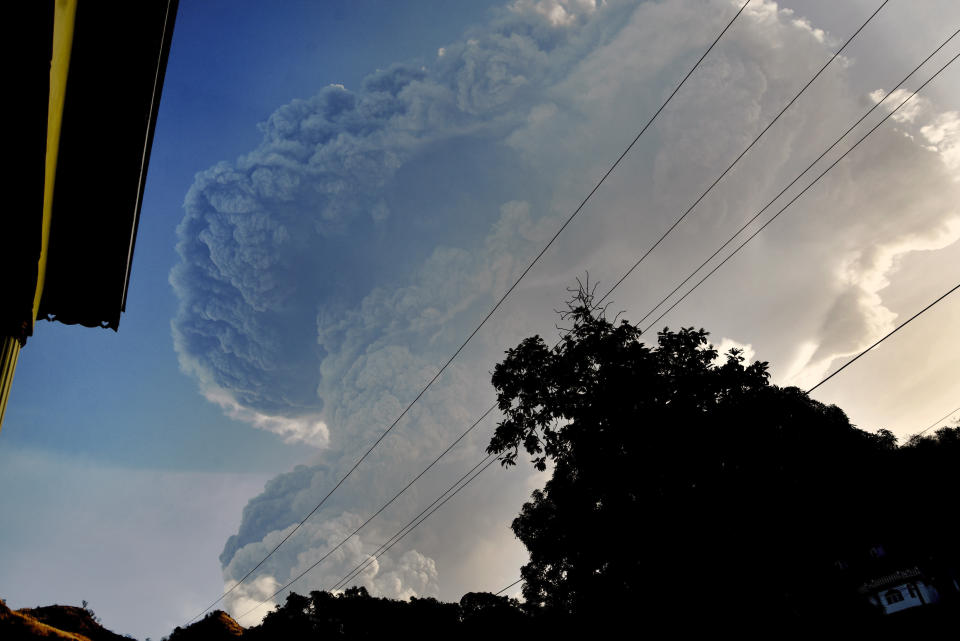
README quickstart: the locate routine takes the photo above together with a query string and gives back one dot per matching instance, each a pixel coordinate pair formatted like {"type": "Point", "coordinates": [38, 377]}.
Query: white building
{"type": "Point", "coordinates": [900, 590]}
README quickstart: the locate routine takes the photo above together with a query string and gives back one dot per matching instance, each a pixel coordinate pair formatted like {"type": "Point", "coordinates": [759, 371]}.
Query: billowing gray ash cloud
{"type": "Point", "coordinates": [329, 205]}
{"type": "Point", "coordinates": [327, 274]}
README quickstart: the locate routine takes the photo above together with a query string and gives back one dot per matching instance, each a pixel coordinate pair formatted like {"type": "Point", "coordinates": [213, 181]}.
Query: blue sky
{"type": "Point", "coordinates": [410, 158]}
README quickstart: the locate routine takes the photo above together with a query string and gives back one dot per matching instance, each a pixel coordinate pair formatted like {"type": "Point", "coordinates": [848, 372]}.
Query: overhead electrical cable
{"type": "Point", "coordinates": [886, 336]}
{"type": "Point", "coordinates": [937, 422]}
{"type": "Point", "coordinates": [788, 186]}
{"type": "Point", "coordinates": [742, 153]}
{"type": "Point", "coordinates": [809, 82]}
{"type": "Point", "coordinates": [389, 543]}
{"type": "Point", "coordinates": [489, 314]}
{"type": "Point", "coordinates": [489, 460]}
{"type": "Point", "coordinates": [502, 590]}
{"type": "Point", "coordinates": [549, 244]}
{"type": "Point", "coordinates": [796, 197]}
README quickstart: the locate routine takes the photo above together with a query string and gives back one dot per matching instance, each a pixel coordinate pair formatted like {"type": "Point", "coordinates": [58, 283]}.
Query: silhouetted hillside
{"type": "Point", "coordinates": [72, 619]}
{"type": "Point", "coordinates": [18, 626]}
{"type": "Point", "coordinates": [216, 626]}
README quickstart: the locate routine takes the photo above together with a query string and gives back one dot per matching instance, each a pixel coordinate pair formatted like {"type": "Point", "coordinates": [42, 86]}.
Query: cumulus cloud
{"type": "Point", "coordinates": [327, 274]}
{"type": "Point", "coordinates": [726, 344]}
{"type": "Point", "coordinates": [943, 133]}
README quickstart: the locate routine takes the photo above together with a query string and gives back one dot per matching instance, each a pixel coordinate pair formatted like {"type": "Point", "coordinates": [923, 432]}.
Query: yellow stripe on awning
{"type": "Point", "coordinates": [64, 18]}
{"type": "Point", "coordinates": [9, 353]}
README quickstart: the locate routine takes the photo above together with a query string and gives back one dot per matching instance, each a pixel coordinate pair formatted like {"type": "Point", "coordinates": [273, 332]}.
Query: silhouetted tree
{"type": "Point", "coordinates": [682, 482]}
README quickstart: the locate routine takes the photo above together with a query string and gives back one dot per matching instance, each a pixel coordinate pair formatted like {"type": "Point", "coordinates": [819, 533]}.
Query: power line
{"type": "Point", "coordinates": [386, 547]}
{"type": "Point", "coordinates": [427, 512]}
{"type": "Point", "coordinates": [489, 314]}
{"type": "Point", "coordinates": [549, 244]}
{"type": "Point", "coordinates": [488, 460]}
{"type": "Point", "coordinates": [402, 533]}
{"type": "Point", "coordinates": [795, 198]}
{"type": "Point", "coordinates": [502, 590]}
{"type": "Point", "coordinates": [725, 171]}
{"type": "Point", "coordinates": [938, 421]}
{"type": "Point", "coordinates": [404, 530]}
{"type": "Point", "coordinates": [415, 523]}
{"type": "Point", "coordinates": [886, 336]}
{"type": "Point", "coordinates": [742, 153]}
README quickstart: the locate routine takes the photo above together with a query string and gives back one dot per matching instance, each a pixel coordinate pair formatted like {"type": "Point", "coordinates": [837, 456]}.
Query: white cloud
{"type": "Point", "coordinates": [558, 13]}
{"type": "Point", "coordinates": [804, 24]}
{"type": "Point", "coordinates": [301, 429]}
{"type": "Point", "coordinates": [944, 133]}
{"type": "Point", "coordinates": [726, 344]}
{"type": "Point", "coordinates": [909, 111]}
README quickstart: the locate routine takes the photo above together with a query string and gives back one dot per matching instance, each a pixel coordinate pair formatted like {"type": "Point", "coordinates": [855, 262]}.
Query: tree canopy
{"type": "Point", "coordinates": [683, 480]}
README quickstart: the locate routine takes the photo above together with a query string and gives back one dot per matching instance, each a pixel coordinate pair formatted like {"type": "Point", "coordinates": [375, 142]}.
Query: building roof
{"type": "Point", "coordinates": [116, 72]}
{"type": "Point", "coordinates": [892, 579]}
{"type": "Point", "coordinates": [88, 77]}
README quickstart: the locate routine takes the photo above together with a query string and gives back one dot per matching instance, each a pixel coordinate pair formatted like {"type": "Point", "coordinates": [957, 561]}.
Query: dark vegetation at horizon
{"type": "Point", "coordinates": [686, 491]}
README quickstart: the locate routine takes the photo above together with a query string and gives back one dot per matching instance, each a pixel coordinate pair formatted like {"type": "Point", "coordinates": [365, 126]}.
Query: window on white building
{"type": "Point", "coordinates": [893, 596]}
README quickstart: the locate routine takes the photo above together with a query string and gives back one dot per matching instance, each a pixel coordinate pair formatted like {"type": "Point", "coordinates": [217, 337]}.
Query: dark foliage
{"type": "Point", "coordinates": [687, 490]}
{"type": "Point", "coordinates": [354, 614]}
{"type": "Point", "coordinates": [53, 622]}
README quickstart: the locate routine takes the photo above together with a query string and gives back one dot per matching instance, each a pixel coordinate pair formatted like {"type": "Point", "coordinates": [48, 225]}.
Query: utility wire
{"type": "Point", "coordinates": [489, 460]}
{"type": "Point", "coordinates": [404, 531]}
{"type": "Point", "coordinates": [743, 153]}
{"type": "Point", "coordinates": [383, 548]}
{"type": "Point", "coordinates": [502, 590]}
{"type": "Point", "coordinates": [938, 421]}
{"type": "Point", "coordinates": [489, 314]}
{"type": "Point", "coordinates": [795, 198]}
{"type": "Point", "coordinates": [401, 533]}
{"type": "Point", "coordinates": [888, 335]}
{"type": "Point", "coordinates": [551, 241]}
{"type": "Point", "coordinates": [440, 501]}
{"type": "Point", "coordinates": [790, 184]}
